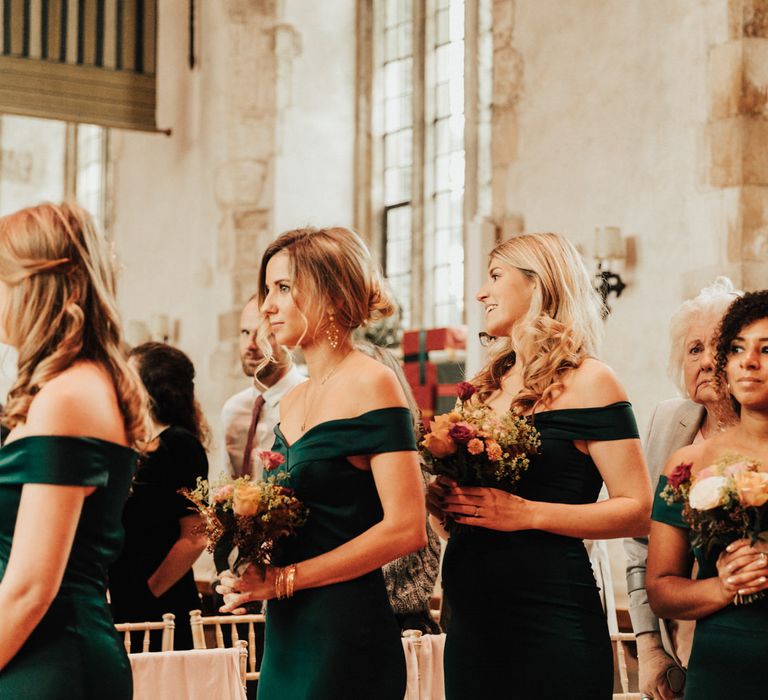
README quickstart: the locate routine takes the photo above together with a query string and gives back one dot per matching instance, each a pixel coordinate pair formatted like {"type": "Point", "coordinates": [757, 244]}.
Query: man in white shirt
{"type": "Point", "coordinates": [249, 417]}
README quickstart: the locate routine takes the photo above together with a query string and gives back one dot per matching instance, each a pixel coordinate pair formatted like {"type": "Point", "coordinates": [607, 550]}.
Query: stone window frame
{"type": "Point", "coordinates": [368, 195]}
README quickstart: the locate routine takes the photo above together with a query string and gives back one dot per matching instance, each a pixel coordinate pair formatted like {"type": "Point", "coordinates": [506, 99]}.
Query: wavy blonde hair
{"type": "Point", "coordinates": [332, 271]}
{"type": "Point", "coordinates": [561, 327]}
{"type": "Point", "coordinates": [60, 307]}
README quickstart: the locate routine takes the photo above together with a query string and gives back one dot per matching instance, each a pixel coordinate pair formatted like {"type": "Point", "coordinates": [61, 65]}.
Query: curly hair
{"type": "Point", "coordinates": [561, 328]}
{"type": "Point", "coordinates": [60, 308]}
{"type": "Point", "coordinates": [169, 377]}
{"type": "Point", "coordinates": [753, 306]}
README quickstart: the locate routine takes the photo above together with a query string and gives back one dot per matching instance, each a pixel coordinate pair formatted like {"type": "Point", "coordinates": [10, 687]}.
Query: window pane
{"type": "Point", "coordinates": [31, 162]}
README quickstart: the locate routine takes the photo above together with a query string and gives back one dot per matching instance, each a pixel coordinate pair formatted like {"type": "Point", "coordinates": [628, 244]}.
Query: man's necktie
{"type": "Point", "coordinates": [247, 455]}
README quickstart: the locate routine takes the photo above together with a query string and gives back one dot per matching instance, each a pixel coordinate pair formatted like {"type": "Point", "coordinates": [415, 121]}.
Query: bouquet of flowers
{"type": "Point", "coordinates": [475, 447]}
{"type": "Point", "coordinates": [249, 515]}
{"type": "Point", "coordinates": [723, 502]}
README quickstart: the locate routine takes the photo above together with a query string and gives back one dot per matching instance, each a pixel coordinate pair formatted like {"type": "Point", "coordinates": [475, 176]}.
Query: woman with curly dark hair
{"type": "Point", "coordinates": [154, 573]}
{"type": "Point", "coordinates": [730, 642]}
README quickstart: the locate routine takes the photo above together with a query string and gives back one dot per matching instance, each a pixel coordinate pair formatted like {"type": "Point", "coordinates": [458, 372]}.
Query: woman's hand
{"type": "Point", "coordinates": [437, 491]}
{"type": "Point", "coordinates": [743, 568]}
{"type": "Point", "coordinates": [255, 583]}
{"type": "Point", "coordinates": [490, 508]}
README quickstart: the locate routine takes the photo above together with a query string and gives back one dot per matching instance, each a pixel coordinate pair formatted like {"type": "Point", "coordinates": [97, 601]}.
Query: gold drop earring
{"type": "Point", "coordinates": [332, 332]}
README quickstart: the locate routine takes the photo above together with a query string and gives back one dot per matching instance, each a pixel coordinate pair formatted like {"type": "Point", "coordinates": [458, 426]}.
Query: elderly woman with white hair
{"type": "Point", "coordinates": [664, 645]}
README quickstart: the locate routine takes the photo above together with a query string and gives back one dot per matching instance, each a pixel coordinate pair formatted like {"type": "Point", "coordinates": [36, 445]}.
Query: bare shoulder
{"type": "Point", "coordinates": [593, 384]}
{"type": "Point", "coordinates": [80, 401]}
{"type": "Point", "coordinates": [369, 385]}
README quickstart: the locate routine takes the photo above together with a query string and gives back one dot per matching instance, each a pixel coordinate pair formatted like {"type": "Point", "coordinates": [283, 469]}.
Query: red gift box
{"type": "Point", "coordinates": [415, 372]}
{"type": "Point", "coordinates": [425, 399]}
{"type": "Point", "coordinates": [415, 342]}
{"type": "Point", "coordinates": [445, 398]}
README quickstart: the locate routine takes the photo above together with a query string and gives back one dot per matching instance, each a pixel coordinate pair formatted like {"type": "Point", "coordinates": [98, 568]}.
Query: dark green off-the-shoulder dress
{"type": "Point", "coordinates": [730, 647]}
{"type": "Point", "coordinates": [336, 642]}
{"type": "Point", "coordinates": [526, 618]}
{"type": "Point", "coordinates": [74, 652]}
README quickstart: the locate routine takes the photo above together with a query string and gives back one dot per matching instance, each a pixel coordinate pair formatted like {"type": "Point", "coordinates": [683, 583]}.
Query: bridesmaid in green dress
{"type": "Point", "coordinates": [526, 618]}
{"type": "Point", "coordinates": [347, 436]}
{"type": "Point", "coordinates": [66, 467]}
{"type": "Point", "coordinates": [730, 643]}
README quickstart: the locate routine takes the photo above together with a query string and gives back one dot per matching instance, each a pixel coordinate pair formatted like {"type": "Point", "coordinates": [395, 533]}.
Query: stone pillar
{"type": "Point", "coordinates": [244, 88]}
{"type": "Point", "coordinates": [736, 146]}
{"type": "Point", "coordinates": [507, 90]}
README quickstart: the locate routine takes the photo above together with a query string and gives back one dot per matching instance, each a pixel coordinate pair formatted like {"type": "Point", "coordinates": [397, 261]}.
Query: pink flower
{"type": "Point", "coordinates": [475, 446]}
{"type": "Point", "coordinates": [751, 487]}
{"type": "Point", "coordinates": [743, 466]}
{"type": "Point", "coordinates": [271, 460]}
{"type": "Point", "coordinates": [681, 473]}
{"type": "Point", "coordinates": [223, 494]}
{"type": "Point", "coordinates": [465, 391]}
{"type": "Point", "coordinates": [462, 432]}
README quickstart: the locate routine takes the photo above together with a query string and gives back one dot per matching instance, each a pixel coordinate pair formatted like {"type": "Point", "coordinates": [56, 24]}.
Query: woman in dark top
{"type": "Point", "coordinates": [153, 575]}
{"type": "Point", "coordinates": [350, 454]}
{"type": "Point", "coordinates": [523, 598]}
{"type": "Point", "coordinates": [75, 411]}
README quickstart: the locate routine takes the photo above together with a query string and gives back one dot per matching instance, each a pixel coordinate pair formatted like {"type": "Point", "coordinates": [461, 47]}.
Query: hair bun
{"type": "Point", "coordinates": [380, 303]}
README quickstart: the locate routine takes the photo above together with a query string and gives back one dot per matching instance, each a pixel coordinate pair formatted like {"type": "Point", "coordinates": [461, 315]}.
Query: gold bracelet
{"type": "Point", "coordinates": [279, 583]}
{"type": "Point", "coordinates": [289, 580]}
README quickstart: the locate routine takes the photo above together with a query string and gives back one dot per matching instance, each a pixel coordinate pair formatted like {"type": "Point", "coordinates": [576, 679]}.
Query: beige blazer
{"type": "Point", "coordinates": [673, 425]}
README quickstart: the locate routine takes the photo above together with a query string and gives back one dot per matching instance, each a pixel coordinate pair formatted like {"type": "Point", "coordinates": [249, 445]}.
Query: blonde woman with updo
{"type": "Point", "coordinates": [74, 411]}
{"type": "Point", "coordinates": [348, 440]}
{"type": "Point", "coordinates": [526, 618]}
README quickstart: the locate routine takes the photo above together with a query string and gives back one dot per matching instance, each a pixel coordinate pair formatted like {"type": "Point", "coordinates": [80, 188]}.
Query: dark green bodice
{"type": "Point", "coordinates": [341, 640]}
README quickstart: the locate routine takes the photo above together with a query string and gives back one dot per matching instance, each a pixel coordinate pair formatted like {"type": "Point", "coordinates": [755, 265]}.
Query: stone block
{"type": "Point", "coordinates": [504, 125]}
{"type": "Point", "coordinates": [251, 220]}
{"type": "Point", "coordinates": [239, 182]}
{"type": "Point", "coordinates": [752, 222]}
{"type": "Point", "coordinates": [229, 325]}
{"type": "Point", "coordinates": [244, 285]}
{"type": "Point", "coordinates": [503, 22]}
{"type": "Point", "coordinates": [245, 11]}
{"type": "Point", "coordinates": [736, 152]}
{"type": "Point", "coordinates": [249, 247]}
{"type": "Point", "coordinates": [508, 68]}
{"type": "Point", "coordinates": [739, 79]}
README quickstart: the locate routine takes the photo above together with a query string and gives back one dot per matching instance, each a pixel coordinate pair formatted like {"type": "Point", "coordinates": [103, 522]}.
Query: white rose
{"type": "Point", "coordinates": [707, 493]}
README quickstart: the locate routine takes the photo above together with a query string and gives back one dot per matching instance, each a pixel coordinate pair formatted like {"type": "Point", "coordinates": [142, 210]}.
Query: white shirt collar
{"type": "Point", "coordinates": [274, 394]}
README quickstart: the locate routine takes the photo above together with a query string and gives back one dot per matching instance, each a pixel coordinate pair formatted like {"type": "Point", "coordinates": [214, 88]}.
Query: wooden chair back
{"type": "Point", "coordinates": [167, 626]}
{"type": "Point", "coordinates": [219, 622]}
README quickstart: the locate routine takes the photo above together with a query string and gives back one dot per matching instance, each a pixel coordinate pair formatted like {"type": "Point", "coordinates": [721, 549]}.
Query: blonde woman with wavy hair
{"type": "Point", "coordinates": [75, 412]}
{"type": "Point", "coordinates": [517, 580]}
{"type": "Point", "coordinates": [348, 440]}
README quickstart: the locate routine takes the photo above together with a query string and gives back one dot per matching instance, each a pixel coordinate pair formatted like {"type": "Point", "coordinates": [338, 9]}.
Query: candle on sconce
{"type": "Point", "coordinates": [609, 245]}
{"type": "Point", "coordinates": [161, 327]}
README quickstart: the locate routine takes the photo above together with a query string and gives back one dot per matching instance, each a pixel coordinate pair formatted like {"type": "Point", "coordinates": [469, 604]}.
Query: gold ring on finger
{"type": "Point", "coordinates": [477, 511]}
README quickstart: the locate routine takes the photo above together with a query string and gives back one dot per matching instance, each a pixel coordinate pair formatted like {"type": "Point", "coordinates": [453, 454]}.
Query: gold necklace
{"type": "Point", "coordinates": [321, 384]}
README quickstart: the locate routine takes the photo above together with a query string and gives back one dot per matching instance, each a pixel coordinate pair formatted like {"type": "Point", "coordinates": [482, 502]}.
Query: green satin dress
{"type": "Point", "coordinates": [336, 642]}
{"type": "Point", "coordinates": [526, 618]}
{"type": "Point", "coordinates": [74, 652]}
{"type": "Point", "coordinates": [730, 646]}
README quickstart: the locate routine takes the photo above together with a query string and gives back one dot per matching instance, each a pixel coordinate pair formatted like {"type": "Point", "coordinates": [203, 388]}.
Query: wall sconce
{"type": "Point", "coordinates": [609, 245]}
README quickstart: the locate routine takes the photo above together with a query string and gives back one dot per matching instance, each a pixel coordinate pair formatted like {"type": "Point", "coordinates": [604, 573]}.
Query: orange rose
{"type": "Point", "coordinates": [751, 487]}
{"type": "Point", "coordinates": [442, 422]}
{"type": "Point", "coordinates": [247, 500]}
{"type": "Point", "coordinates": [475, 446]}
{"type": "Point", "coordinates": [439, 442]}
{"type": "Point", "coordinates": [493, 450]}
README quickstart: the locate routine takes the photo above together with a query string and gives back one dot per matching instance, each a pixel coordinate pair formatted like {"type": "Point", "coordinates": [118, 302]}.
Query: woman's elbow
{"type": "Point", "coordinates": [412, 537]}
